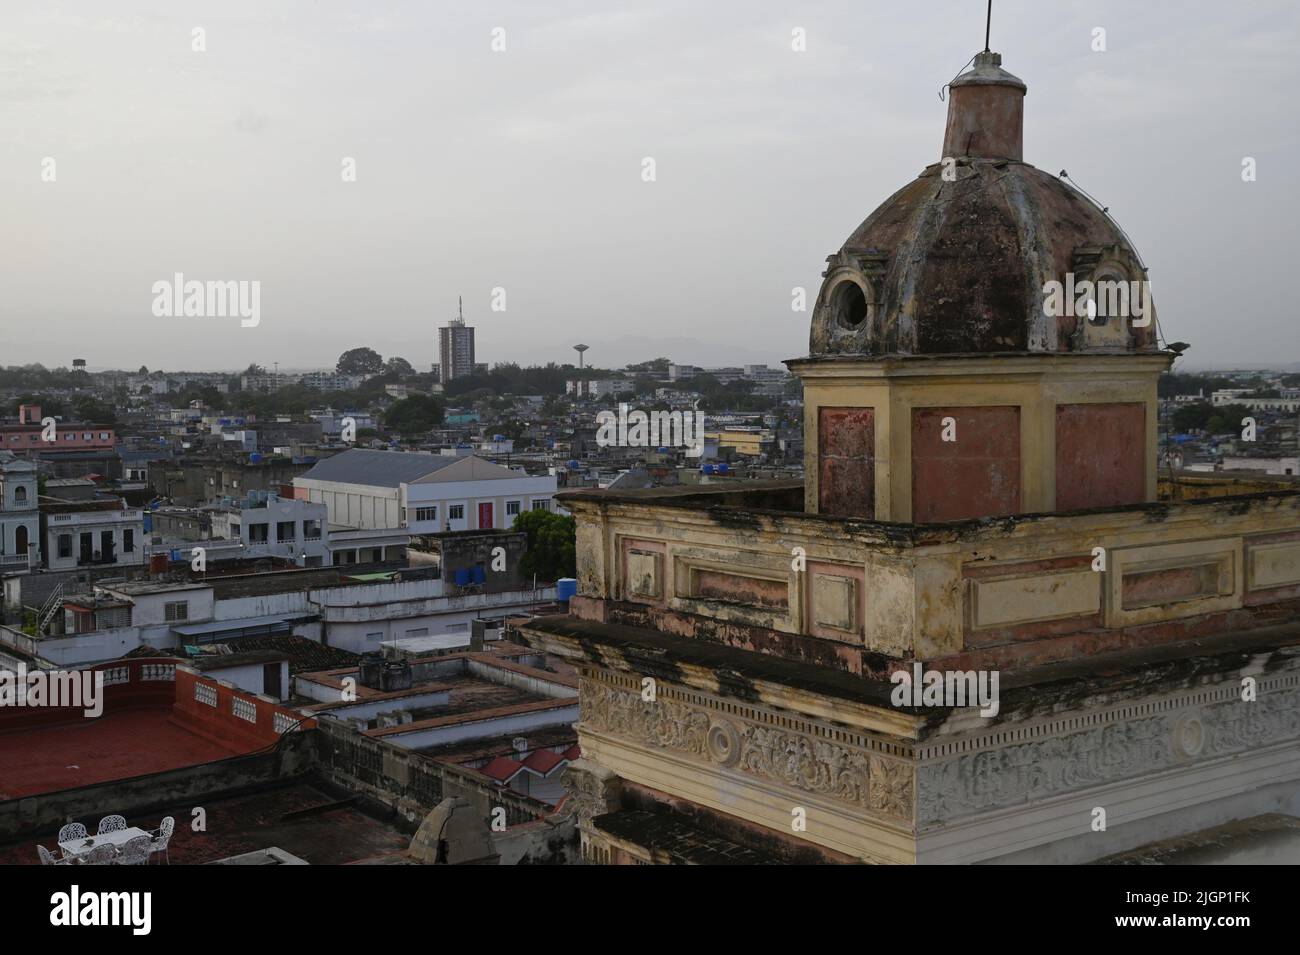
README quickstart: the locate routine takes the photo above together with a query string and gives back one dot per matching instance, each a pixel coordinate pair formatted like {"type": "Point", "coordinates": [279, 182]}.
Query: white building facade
{"type": "Point", "coordinates": [422, 493]}
{"type": "Point", "coordinates": [19, 517]}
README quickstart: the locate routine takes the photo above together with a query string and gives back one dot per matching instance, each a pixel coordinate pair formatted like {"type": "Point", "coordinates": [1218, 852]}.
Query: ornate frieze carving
{"type": "Point", "coordinates": [776, 754]}
{"type": "Point", "coordinates": [1014, 775]}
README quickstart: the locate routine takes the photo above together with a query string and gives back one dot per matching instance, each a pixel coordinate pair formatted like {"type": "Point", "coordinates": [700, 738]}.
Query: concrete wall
{"type": "Point", "coordinates": [249, 676]}
{"type": "Point", "coordinates": [41, 816]}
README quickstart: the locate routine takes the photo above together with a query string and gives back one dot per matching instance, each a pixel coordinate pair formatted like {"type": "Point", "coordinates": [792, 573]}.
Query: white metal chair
{"type": "Point", "coordinates": [104, 854]}
{"type": "Point", "coordinates": [47, 858]}
{"type": "Point", "coordinates": [112, 824]}
{"type": "Point", "coordinates": [162, 837]}
{"type": "Point", "coordinates": [135, 851]}
{"type": "Point", "coordinates": [73, 830]}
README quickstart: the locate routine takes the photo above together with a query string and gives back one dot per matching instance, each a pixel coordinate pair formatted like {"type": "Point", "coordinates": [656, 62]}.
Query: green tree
{"type": "Point", "coordinates": [92, 411]}
{"type": "Point", "coordinates": [360, 361]}
{"type": "Point", "coordinates": [1227, 418]}
{"type": "Point", "coordinates": [399, 367]}
{"type": "Point", "coordinates": [414, 415]}
{"type": "Point", "coordinates": [552, 545]}
{"type": "Point", "coordinates": [1192, 417]}
{"type": "Point", "coordinates": [655, 366]}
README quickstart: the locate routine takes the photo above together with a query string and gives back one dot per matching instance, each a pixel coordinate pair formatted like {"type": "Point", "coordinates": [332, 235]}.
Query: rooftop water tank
{"type": "Point", "coordinates": [566, 588]}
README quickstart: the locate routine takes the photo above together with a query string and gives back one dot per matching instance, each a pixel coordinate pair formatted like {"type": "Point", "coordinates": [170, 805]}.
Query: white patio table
{"type": "Point", "coordinates": [77, 848]}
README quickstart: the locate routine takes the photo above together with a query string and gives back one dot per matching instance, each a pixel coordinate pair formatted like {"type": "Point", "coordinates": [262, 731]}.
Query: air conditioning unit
{"type": "Point", "coordinates": [520, 744]}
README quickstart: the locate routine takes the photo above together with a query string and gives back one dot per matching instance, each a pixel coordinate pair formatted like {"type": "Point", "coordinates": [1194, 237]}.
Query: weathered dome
{"type": "Point", "coordinates": [959, 260]}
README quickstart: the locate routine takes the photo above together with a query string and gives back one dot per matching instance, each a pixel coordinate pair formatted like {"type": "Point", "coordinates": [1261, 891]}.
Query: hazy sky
{"type": "Point", "coordinates": [522, 169]}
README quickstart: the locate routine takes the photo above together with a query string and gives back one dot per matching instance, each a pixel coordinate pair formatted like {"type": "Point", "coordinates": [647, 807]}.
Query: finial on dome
{"type": "Point", "coordinates": [986, 112]}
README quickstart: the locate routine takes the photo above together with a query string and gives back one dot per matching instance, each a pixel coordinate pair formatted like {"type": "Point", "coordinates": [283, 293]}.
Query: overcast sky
{"type": "Point", "coordinates": [522, 169]}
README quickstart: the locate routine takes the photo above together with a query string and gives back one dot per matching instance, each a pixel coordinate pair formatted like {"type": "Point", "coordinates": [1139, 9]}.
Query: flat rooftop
{"type": "Point", "coordinates": [467, 695]}
{"type": "Point", "coordinates": [472, 750]}
{"type": "Point", "coordinates": [308, 819]}
{"type": "Point", "coordinates": [115, 746]}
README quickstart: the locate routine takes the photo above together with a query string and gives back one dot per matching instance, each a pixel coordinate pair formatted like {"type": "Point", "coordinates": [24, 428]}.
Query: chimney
{"type": "Point", "coordinates": [986, 112]}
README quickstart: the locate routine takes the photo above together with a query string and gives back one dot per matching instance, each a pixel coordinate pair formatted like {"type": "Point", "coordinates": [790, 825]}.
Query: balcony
{"type": "Point", "coordinates": [14, 563]}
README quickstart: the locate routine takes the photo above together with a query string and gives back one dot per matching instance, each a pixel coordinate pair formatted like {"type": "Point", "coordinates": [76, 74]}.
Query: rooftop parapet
{"type": "Point", "coordinates": [746, 567]}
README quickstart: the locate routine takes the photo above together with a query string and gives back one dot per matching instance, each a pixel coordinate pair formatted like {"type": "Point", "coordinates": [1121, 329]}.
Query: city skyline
{"type": "Point", "coordinates": [765, 157]}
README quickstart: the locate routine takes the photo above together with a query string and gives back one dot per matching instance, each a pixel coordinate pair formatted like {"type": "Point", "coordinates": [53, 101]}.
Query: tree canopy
{"type": "Point", "coordinates": [414, 415]}
{"type": "Point", "coordinates": [360, 361]}
{"type": "Point", "coordinates": [552, 545]}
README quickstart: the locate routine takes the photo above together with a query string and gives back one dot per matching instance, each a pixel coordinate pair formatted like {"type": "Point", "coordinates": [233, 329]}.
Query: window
{"type": "Point", "coordinates": [849, 305]}
{"type": "Point", "coordinates": [20, 495]}
{"type": "Point", "coordinates": [179, 610]}
{"type": "Point", "coordinates": [65, 545]}
{"type": "Point", "coordinates": [284, 531]}
{"type": "Point", "coordinates": [426, 513]}
{"type": "Point", "coordinates": [512, 508]}
{"type": "Point", "coordinates": [455, 512]}
{"type": "Point", "coordinates": [257, 533]}
{"type": "Point", "coordinates": [542, 504]}
{"type": "Point", "coordinates": [103, 436]}
{"type": "Point", "coordinates": [128, 541]}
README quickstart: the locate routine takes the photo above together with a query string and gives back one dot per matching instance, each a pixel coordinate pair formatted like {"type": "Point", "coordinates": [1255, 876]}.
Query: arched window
{"type": "Point", "coordinates": [849, 305]}
{"type": "Point", "coordinates": [20, 495]}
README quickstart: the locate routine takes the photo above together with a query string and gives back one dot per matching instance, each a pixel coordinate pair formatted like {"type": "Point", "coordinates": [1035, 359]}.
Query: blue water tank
{"type": "Point", "coordinates": [498, 437]}
{"type": "Point", "coordinates": [566, 588]}
{"type": "Point", "coordinates": [175, 556]}
{"type": "Point", "coordinates": [663, 450]}
{"type": "Point", "coordinates": [723, 468]}
{"type": "Point", "coordinates": [478, 575]}
{"type": "Point", "coordinates": [706, 468]}
{"type": "Point", "coordinates": [255, 458]}
{"type": "Point", "coordinates": [574, 464]}
{"type": "Point", "coordinates": [462, 576]}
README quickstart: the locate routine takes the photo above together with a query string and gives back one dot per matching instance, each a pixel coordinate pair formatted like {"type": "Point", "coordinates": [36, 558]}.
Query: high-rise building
{"type": "Point", "coordinates": [456, 347]}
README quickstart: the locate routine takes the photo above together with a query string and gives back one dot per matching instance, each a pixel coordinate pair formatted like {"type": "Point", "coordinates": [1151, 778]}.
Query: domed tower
{"type": "Point", "coordinates": [984, 343]}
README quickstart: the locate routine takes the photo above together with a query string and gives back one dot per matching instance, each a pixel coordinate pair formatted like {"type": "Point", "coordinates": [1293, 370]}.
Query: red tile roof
{"type": "Point", "coordinates": [502, 769]}
{"type": "Point", "coordinates": [542, 761]}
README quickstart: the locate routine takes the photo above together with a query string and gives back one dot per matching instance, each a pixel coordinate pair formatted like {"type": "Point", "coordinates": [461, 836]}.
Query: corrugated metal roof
{"type": "Point", "coordinates": [378, 468]}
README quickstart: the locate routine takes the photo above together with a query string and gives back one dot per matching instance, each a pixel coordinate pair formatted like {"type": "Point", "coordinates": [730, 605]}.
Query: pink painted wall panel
{"type": "Point", "coordinates": [846, 461]}
{"type": "Point", "coordinates": [977, 474]}
{"type": "Point", "coordinates": [1100, 455]}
